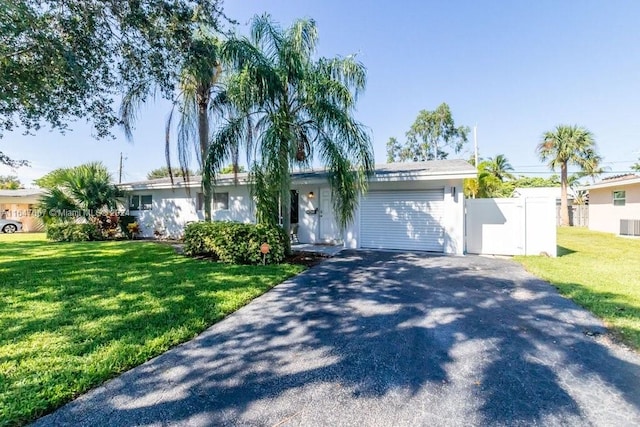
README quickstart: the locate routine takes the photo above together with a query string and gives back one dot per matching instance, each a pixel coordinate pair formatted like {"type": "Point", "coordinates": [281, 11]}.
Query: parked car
{"type": "Point", "coordinates": [10, 226]}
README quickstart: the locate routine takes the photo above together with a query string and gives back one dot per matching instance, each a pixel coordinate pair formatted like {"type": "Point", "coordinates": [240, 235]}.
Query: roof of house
{"type": "Point", "coordinates": [23, 192]}
{"type": "Point", "coordinates": [430, 170]}
{"type": "Point", "coordinates": [615, 181]}
{"type": "Point", "coordinates": [541, 192]}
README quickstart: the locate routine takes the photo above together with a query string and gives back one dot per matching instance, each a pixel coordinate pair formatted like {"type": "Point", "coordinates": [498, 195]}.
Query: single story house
{"type": "Point", "coordinates": [21, 205]}
{"type": "Point", "coordinates": [410, 206]}
{"type": "Point", "coordinates": [614, 205]}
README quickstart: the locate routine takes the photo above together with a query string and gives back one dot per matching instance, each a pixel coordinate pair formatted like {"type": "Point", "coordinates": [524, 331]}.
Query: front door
{"type": "Point", "coordinates": [328, 227]}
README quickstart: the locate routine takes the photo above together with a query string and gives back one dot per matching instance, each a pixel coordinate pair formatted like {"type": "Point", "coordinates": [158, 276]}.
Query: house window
{"type": "Point", "coordinates": [221, 201]}
{"type": "Point", "coordinates": [619, 198]}
{"type": "Point", "coordinates": [141, 202]}
{"type": "Point", "coordinates": [200, 201]}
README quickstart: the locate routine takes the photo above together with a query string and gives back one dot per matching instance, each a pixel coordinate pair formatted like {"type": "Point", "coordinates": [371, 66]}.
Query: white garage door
{"type": "Point", "coordinates": [403, 220]}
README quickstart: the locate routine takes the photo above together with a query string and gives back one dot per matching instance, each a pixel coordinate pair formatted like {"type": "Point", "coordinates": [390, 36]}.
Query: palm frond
{"type": "Point", "coordinates": [131, 103]}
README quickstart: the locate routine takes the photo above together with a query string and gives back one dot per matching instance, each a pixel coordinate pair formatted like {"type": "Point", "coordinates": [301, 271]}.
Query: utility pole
{"type": "Point", "coordinates": [120, 170]}
{"type": "Point", "coordinates": [475, 144]}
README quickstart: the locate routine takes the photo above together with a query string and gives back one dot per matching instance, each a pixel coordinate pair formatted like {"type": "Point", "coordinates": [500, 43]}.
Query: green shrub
{"type": "Point", "coordinates": [107, 224]}
{"type": "Point", "coordinates": [235, 243]}
{"type": "Point", "coordinates": [72, 232]}
{"type": "Point", "coordinates": [123, 222]}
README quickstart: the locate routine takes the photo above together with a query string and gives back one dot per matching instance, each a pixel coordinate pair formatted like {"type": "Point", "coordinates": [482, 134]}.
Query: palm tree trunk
{"type": "Point", "coordinates": [203, 135]}
{"type": "Point", "coordinates": [285, 207]}
{"type": "Point", "coordinates": [564, 206]}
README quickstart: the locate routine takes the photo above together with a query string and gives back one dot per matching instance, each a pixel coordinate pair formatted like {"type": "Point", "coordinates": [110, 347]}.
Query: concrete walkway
{"type": "Point", "coordinates": [385, 339]}
{"type": "Point", "coordinates": [327, 250]}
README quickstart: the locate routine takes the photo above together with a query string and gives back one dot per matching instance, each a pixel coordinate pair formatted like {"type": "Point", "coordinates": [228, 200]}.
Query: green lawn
{"type": "Point", "coordinates": [75, 314]}
{"type": "Point", "coordinates": [600, 272]}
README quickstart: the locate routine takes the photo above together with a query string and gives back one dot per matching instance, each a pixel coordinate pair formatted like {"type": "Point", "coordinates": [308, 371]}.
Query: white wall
{"type": "Point", "coordinates": [517, 226]}
{"type": "Point", "coordinates": [173, 209]}
{"type": "Point", "coordinates": [308, 223]}
{"type": "Point", "coordinates": [453, 221]}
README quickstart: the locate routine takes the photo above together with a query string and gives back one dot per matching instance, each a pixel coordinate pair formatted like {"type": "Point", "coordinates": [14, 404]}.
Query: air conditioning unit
{"type": "Point", "coordinates": [630, 227]}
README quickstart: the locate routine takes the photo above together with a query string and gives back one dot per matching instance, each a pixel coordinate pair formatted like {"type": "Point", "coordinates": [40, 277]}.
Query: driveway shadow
{"type": "Point", "coordinates": [378, 338]}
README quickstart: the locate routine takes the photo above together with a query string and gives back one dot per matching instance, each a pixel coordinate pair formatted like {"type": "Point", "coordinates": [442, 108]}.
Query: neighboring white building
{"type": "Point", "coordinates": [614, 205]}
{"type": "Point", "coordinates": [412, 206]}
{"type": "Point", "coordinates": [21, 205]}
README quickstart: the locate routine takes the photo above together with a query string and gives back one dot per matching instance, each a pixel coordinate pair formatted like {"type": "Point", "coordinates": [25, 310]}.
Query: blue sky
{"type": "Point", "coordinates": [513, 68]}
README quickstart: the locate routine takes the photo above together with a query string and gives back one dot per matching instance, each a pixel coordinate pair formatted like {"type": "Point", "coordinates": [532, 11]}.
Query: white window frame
{"type": "Point", "coordinates": [217, 202]}
{"type": "Point", "coordinates": [140, 206]}
{"type": "Point", "coordinates": [619, 198]}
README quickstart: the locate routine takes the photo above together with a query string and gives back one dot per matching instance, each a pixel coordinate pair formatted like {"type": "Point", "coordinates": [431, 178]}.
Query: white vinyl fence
{"type": "Point", "coordinates": [518, 226]}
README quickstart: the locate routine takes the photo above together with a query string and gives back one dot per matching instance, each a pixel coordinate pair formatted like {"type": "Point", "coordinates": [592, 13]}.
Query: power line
{"type": "Point", "coordinates": [558, 173]}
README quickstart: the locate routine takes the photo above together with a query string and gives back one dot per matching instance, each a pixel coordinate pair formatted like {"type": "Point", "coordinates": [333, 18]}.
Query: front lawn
{"type": "Point", "coordinates": [600, 272]}
{"type": "Point", "coordinates": [75, 314]}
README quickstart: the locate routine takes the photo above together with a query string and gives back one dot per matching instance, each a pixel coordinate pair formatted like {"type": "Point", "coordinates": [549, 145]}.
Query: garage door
{"type": "Point", "coordinates": [403, 220]}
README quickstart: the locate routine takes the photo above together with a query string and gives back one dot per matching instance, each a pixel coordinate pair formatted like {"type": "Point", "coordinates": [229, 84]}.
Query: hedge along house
{"type": "Point", "coordinates": [408, 206]}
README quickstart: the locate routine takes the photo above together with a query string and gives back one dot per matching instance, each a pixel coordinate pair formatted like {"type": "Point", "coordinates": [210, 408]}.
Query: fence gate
{"type": "Point", "coordinates": [517, 226]}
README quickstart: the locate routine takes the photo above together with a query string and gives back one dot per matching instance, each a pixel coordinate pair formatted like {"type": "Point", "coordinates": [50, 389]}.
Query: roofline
{"type": "Point", "coordinates": [605, 184]}
{"type": "Point", "coordinates": [243, 179]}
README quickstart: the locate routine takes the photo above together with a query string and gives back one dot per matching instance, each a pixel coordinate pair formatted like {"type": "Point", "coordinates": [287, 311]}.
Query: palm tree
{"type": "Point", "coordinates": [85, 190]}
{"type": "Point", "coordinates": [200, 93]}
{"type": "Point", "coordinates": [569, 145]}
{"type": "Point", "coordinates": [499, 167]}
{"type": "Point", "coordinates": [292, 109]}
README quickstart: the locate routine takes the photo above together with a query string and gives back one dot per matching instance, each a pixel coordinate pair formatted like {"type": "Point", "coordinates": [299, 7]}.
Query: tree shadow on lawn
{"type": "Point", "coordinates": [419, 338]}
{"type": "Point", "coordinates": [104, 313]}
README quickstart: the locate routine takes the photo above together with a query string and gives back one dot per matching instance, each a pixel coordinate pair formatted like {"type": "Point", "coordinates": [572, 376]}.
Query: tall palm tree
{"type": "Point", "coordinates": [499, 167]}
{"type": "Point", "coordinates": [85, 189]}
{"type": "Point", "coordinates": [565, 146]}
{"type": "Point", "coordinates": [199, 94]}
{"type": "Point", "coordinates": [292, 109]}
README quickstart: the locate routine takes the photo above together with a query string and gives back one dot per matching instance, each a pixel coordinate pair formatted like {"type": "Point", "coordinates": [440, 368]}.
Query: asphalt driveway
{"type": "Point", "coordinates": [376, 338]}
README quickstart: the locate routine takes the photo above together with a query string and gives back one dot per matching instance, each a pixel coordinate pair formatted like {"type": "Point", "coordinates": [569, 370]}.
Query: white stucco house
{"type": "Point", "coordinates": [614, 205]}
{"type": "Point", "coordinates": [412, 206]}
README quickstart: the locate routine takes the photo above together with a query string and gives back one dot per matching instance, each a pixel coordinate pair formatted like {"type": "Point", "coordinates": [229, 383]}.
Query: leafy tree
{"type": "Point", "coordinates": [636, 166]}
{"type": "Point", "coordinates": [564, 146]}
{"type": "Point", "coordinates": [62, 60]}
{"type": "Point", "coordinates": [6, 160]}
{"type": "Point", "coordinates": [10, 182]}
{"type": "Point", "coordinates": [499, 167]}
{"type": "Point", "coordinates": [432, 133]}
{"type": "Point", "coordinates": [86, 189]}
{"type": "Point", "coordinates": [537, 181]}
{"type": "Point", "coordinates": [485, 185]}
{"type": "Point", "coordinates": [164, 172]}
{"type": "Point", "coordinates": [292, 108]}
{"type": "Point", "coordinates": [199, 95]}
